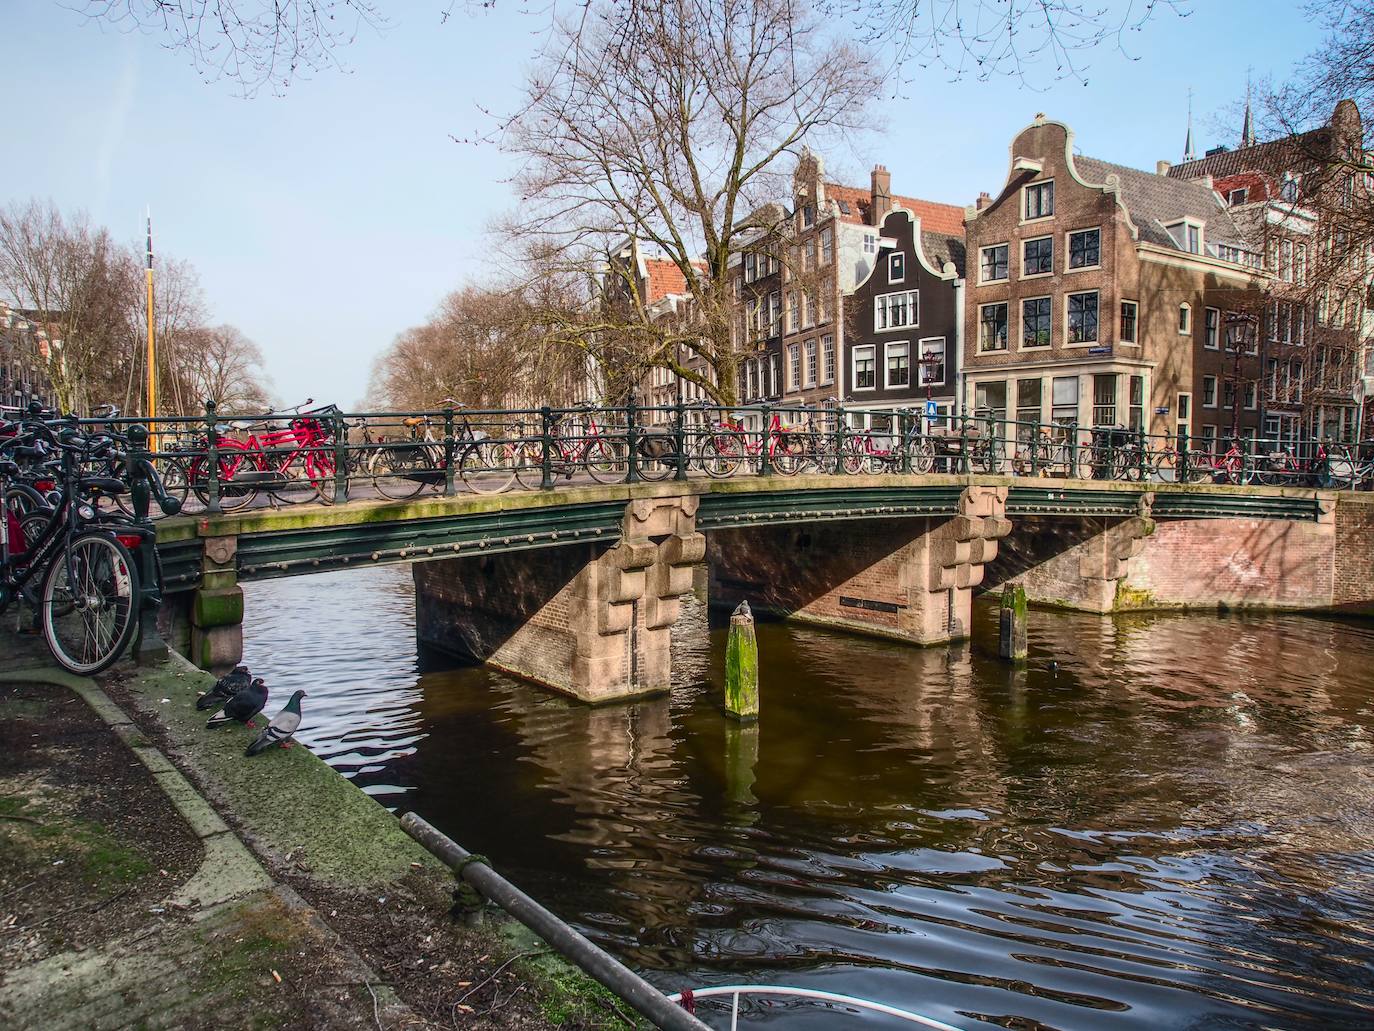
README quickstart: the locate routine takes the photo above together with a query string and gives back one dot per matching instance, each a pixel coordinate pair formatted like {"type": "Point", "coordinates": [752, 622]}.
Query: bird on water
{"type": "Point", "coordinates": [282, 728]}
{"type": "Point", "coordinates": [243, 706]}
{"type": "Point", "coordinates": [225, 688]}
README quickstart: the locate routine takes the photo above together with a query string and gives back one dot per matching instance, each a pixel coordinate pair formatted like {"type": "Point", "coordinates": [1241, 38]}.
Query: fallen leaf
{"type": "Point", "coordinates": [276, 977]}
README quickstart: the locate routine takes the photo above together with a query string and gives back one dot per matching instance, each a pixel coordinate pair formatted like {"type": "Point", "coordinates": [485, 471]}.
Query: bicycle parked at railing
{"type": "Point", "coordinates": [729, 443]}
{"type": "Point", "coordinates": [1231, 466]}
{"type": "Point", "coordinates": [587, 447]}
{"type": "Point", "coordinates": [75, 567]}
{"type": "Point", "coordinates": [1348, 466]}
{"type": "Point", "coordinates": [287, 463]}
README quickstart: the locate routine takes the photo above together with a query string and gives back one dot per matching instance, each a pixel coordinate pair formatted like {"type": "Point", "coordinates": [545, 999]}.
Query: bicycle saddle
{"type": "Point", "coordinates": [104, 484]}
{"type": "Point", "coordinates": [413, 420]}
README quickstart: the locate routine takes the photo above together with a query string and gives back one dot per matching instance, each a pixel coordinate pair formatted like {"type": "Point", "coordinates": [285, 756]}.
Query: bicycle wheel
{"type": "Point", "coordinates": [988, 458]}
{"type": "Point", "coordinates": [233, 494]}
{"type": "Point", "coordinates": [89, 603]}
{"type": "Point", "coordinates": [852, 457]}
{"type": "Point", "coordinates": [606, 460]}
{"type": "Point", "coordinates": [394, 472]}
{"type": "Point", "coordinates": [175, 480]}
{"type": "Point", "coordinates": [488, 468]}
{"type": "Point", "coordinates": [721, 454]}
{"type": "Point", "coordinates": [789, 454]}
{"type": "Point", "coordinates": [922, 454]}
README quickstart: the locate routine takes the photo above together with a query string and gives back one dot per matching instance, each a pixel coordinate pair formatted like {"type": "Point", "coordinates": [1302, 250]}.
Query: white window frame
{"type": "Point", "coordinates": [913, 305]}
{"type": "Point", "coordinates": [888, 345]}
{"type": "Point", "coordinates": [1097, 340]}
{"type": "Point", "coordinates": [828, 375]}
{"type": "Point", "coordinates": [1189, 223]}
{"type": "Point", "coordinates": [1211, 336]}
{"type": "Point", "coordinates": [1021, 337]}
{"type": "Point", "coordinates": [1185, 320]}
{"type": "Point", "coordinates": [896, 267]}
{"type": "Point", "coordinates": [1216, 391]}
{"type": "Point", "coordinates": [872, 351]}
{"type": "Point", "coordinates": [1036, 275]}
{"type": "Point", "coordinates": [921, 381]}
{"type": "Point", "coordinates": [794, 368]}
{"type": "Point", "coordinates": [1025, 199]}
{"type": "Point", "coordinates": [811, 363]}
{"type": "Point", "coordinates": [1068, 249]}
{"type": "Point", "coordinates": [989, 247]}
{"type": "Point", "coordinates": [1244, 192]}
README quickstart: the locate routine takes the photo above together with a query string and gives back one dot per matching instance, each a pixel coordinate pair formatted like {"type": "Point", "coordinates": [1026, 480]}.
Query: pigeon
{"type": "Point", "coordinates": [281, 729]}
{"type": "Point", "coordinates": [243, 706]}
{"type": "Point", "coordinates": [225, 688]}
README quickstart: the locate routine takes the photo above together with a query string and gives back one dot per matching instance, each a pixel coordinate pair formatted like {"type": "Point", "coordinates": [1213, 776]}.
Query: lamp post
{"type": "Point", "coordinates": [1240, 327]}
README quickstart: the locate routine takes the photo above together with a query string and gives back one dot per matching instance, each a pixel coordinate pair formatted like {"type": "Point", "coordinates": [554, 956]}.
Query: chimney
{"type": "Point", "coordinates": [882, 194]}
{"type": "Point", "coordinates": [1162, 167]}
{"type": "Point", "coordinates": [984, 199]}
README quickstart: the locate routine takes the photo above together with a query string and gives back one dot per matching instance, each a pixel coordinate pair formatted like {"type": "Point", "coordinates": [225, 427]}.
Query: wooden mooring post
{"type": "Point", "coordinates": [742, 666]}
{"type": "Point", "coordinates": [1011, 644]}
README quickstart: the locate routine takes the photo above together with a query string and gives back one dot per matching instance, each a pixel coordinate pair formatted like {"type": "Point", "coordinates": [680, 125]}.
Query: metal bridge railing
{"type": "Point", "coordinates": [223, 462]}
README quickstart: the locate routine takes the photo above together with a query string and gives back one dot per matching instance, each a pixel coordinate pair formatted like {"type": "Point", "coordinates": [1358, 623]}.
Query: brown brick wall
{"type": "Point", "coordinates": [1353, 576]}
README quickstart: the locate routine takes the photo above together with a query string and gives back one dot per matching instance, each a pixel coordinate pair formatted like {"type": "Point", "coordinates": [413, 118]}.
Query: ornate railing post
{"type": "Point", "coordinates": [340, 458]}
{"type": "Point", "coordinates": [680, 444]}
{"type": "Point", "coordinates": [632, 438]}
{"type": "Point", "coordinates": [546, 448]}
{"type": "Point", "coordinates": [150, 644]}
{"type": "Point", "coordinates": [449, 451]}
{"type": "Point", "coordinates": [1072, 428]}
{"type": "Point", "coordinates": [212, 484]}
{"type": "Point", "coordinates": [837, 467]}
{"type": "Point", "coordinates": [1181, 460]}
{"type": "Point", "coordinates": [903, 440]}
{"type": "Point", "coordinates": [1141, 454]}
{"type": "Point", "coordinates": [765, 459]}
{"type": "Point", "coordinates": [964, 466]}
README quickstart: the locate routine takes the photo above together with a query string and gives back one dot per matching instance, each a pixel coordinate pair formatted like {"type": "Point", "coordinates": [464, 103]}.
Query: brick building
{"type": "Point", "coordinates": [23, 361]}
{"type": "Point", "coordinates": [1296, 197]}
{"type": "Point", "coordinates": [1102, 295]}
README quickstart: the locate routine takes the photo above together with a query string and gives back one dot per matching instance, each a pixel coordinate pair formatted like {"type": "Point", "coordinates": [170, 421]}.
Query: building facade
{"type": "Point", "coordinates": [24, 351]}
{"type": "Point", "coordinates": [1098, 294]}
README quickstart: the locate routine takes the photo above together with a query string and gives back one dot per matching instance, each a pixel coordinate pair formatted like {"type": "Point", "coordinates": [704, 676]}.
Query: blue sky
{"type": "Point", "coordinates": [325, 221]}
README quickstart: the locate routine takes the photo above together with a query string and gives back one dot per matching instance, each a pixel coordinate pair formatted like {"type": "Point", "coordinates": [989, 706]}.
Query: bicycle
{"type": "Point", "coordinates": [728, 444]}
{"type": "Point", "coordinates": [73, 566]}
{"type": "Point", "coordinates": [1233, 466]}
{"type": "Point", "coordinates": [281, 461]}
{"type": "Point", "coordinates": [592, 448]}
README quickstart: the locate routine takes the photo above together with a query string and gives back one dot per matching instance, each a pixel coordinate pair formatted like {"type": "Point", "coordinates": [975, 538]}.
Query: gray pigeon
{"type": "Point", "coordinates": [742, 609]}
{"type": "Point", "coordinates": [243, 706]}
{"type": "Point", "coordinates": [281, 729]}
{"type": "Point", "coordinates": [225, 688]}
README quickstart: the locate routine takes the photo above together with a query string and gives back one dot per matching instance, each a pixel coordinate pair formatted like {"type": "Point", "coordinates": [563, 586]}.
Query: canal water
{"type": "Point", "coordinates": [1163, 822]}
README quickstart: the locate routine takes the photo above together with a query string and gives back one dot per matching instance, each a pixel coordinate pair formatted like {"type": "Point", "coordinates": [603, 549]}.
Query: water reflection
{"type": "Point", "coordinates": [1170, 826]}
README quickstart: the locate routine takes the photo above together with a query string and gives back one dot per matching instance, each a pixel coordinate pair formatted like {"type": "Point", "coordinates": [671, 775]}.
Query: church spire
{"type": "Point", "coordinates": [1188, 154]}
{"type": "Point", "coordinates": [1247, 129]}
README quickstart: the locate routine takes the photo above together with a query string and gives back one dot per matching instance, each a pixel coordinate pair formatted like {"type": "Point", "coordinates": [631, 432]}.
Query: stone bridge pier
{"type": "Point", "coordinates": [588, 620]}
{"type": "Point", "coordinates": [911, 579]}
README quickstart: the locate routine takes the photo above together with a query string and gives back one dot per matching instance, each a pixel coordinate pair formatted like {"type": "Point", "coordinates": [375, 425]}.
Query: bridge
{"type": "Point", "coordinates": [578, 588]}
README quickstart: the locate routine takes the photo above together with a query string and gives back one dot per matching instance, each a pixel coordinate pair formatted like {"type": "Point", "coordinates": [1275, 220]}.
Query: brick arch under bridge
{"type": "Point", "coordinates": [578, 588]}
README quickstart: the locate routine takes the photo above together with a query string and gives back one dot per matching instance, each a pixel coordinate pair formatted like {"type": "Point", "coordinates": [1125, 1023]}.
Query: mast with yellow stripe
{"type": "Point", "coordinates": [151, 410]}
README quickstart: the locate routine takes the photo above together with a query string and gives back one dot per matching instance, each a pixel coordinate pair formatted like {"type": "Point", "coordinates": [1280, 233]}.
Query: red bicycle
{"type": "Point", "coordinates": [588, 447]}
{"type": "Point", "coordinates": [292, 464]}
{"type": "Point", "coordinates": [729, 443]}
{"type": "Point", "coordinates": [1228, 467]}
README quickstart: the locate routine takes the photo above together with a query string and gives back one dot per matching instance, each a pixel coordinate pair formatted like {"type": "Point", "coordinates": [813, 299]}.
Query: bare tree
{"type": "Point", "coordinates": [76, 283]}
{"type": "Point", "coordinates": [224, 366]}
{"type": "Point", "coordinates": [252, 43]}
{"type": "Point", "coordinates": [667, 124]}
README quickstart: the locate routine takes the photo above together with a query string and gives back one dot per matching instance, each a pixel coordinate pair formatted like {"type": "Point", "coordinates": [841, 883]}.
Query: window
{"type": "Point", "coordinates": [1037, 257]}
{"type": "Point", "coordinates": [1085, 248]}
{"type": "Point", "coordinates": [775, 313]}
{"type": "Point", "coordinates": [811, 363]}
{"type": "Point", "coordinates": [992, 327]}
{"type": "Point", "coordinates": [827, 245]}
{"type": "Point", "coordinates": [896, 267]}
{"type": "Point", "coordinates": [808, 214]}
{"type": "Point", "coordinates": [895, 311]}
{"type": "Point", "coordinates": [1104, 399]}
{"type": "Point", "coordinates": [1209, 439]}
{"type": "Point", "coordinates": [827, 359]}
{"type": "Point", "coordinates": [1083, 318]}
{"type": "Point", "coordinates": [1040, 200]}
{"type": "Point", "coordinates": [1250, 395]}
{"type": "Point", "coordinates": [1129, 316]}
{"type": "Point", "coordinates": [863, 368]}
{"type": "Point", "coordinates": [752, 368]}
{"type": "Point", "coordinates": [1185, 407]}
{"type": "Point", "coordinates": [1064, 398]}
{"type": "Point", "coordinates": [1289, 190]}
{"type": "Point", "coordinates": [931, 371]}
{"type": "Point", "coordinates": [1137, 403]}
{"type": "Point", "coordinates": [990, 399]}
{"type": "Point", "coordinates": [1027, 406]}
{"type": "Point", "coordinates": [1228, 395]}
{"type": "Point", "coordinates": [793, 366]}
{"type": "Point", "coordinates": [1300, 264]}
{"type": "Point", "coordinates": [1237, 196]}
{"type": "Point", "coordinates": [870, 243]}
{"type": "Point", "coordinates": [793, 316]}
{"type": "Point", "coordinates": [1286, 261]}
{"type": "Point", "coordinates": [993, 264]}
{"type": "Point", "coordinates": [775, 374]}
{"type": "Point", "coordinates": [1188, 236]}
{"type": "Point", "coordinates": [1035, 322]}
{"type": "Point", "coordinates": [1211, 329]}
{"type": "Point", "coordinates": [810, 259]}
{"type": "Point", "coordinates": [807, 310]}
{"type": "Point", "coordinates": [1209, 391]}
{"type": "Point", "coordinates": [898, 364]}
{"type": "Point", "coordinates": [751, 266]}
{"type": "Point", "coordinates": [1185, 319]}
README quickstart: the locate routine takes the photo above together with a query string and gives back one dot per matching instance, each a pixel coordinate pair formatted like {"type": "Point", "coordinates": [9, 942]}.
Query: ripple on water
{"type": "Point", "coordinates": [1171, 828]}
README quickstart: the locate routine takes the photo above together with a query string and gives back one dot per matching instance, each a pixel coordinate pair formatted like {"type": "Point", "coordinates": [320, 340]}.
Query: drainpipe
{"type": "Point", "coordinates": [959, 374]}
